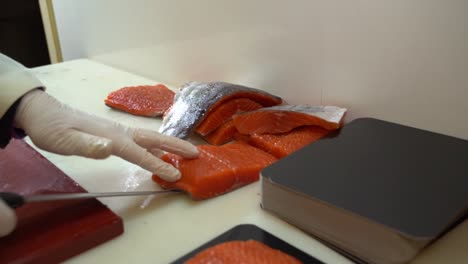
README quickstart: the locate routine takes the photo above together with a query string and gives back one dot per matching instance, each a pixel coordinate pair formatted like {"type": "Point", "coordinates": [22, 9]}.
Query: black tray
{"type": "Point", "coordinates": [249, 231]}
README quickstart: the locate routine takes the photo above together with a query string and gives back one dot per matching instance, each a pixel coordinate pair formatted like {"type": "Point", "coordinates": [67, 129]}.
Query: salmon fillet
{"type": "Point", "coordinates": [222, 135]}
{"type": "Point", "coordinates": [196, 99]}
{"type": "Point", "coordinates": [245, 252]}
{"type": "Point", "coordinates": [284, 118]}
{"type": "Point", "coordinates": [143, 100]}
{"type": "Point", "coordinates": [223, 113]}
{"type": "Point", "coordinates": [217, 170]}
{"type": "Point", "coordinates": [281, 145]}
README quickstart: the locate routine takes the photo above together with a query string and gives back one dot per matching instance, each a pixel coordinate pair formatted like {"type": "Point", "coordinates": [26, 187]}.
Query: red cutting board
{"type": "Point", "coordinates": [49, 232]}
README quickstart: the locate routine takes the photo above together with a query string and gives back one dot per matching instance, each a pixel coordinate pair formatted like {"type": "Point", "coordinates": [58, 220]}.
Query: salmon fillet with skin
{"type": "Point", "coordinates": [217, 170]}
{"type": "Point", "coordinates": [222, 135]}
{"type": "Point", "coordinates": [224, 112]}
{"type": "Point", "coordinates": [284, 118]}
{"type": "Point", "coordinates": [245, 252]}
{"type": "Point", "coordinates": [281, 145]}
{"type": "Point", "coordinates": [195, 100]}
{"type": "Point", "coordinates": [143, 100]}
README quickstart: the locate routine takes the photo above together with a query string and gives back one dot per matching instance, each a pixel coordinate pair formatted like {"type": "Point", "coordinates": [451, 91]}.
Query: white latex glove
{"type": "Point", "coordinates": [7, 219]}
{"type": "Point", "coordinates": [58, 128]}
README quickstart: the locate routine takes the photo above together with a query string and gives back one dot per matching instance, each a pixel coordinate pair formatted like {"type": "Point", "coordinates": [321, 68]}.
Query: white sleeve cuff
{"type": "Point", "coordinates": [15, 81]}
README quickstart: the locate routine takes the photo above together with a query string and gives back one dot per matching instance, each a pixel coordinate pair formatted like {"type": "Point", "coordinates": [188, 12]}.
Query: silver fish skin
{"type": "Point", "coordinates": [192, 103]}
{"type": "Point", "coordinates": [332, 114]}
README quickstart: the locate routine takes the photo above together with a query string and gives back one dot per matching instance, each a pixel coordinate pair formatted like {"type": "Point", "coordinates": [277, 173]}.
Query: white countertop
{"type": "Point", "coordinates": [163, 229]}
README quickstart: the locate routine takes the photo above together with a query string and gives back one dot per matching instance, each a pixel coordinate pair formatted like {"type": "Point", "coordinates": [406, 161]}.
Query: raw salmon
{"type": "Point", "coordinates": [284, 118]}
{"type": "Point", "coordinates": [223, 134]}
{"type": "Point", "coordinates": [245, 252]}
{"type": "Point", "coordinates": [143, 100]}
{"type": "Point", "coordinates": [281, 145]}
{"type": "Point", "coordinates": [217, 170]}
{"type": "Point", "coordinates": [224, 112]}
{"type": "Point", "coordinates": [195, 100]}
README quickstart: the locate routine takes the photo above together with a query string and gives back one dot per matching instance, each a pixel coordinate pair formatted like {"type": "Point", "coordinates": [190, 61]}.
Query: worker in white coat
{"type": "Point", "coordinates": [26, 109]}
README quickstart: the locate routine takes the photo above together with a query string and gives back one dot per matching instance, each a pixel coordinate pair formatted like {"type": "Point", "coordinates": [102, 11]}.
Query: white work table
{"type": "Point", "coordinates": [164, 228]}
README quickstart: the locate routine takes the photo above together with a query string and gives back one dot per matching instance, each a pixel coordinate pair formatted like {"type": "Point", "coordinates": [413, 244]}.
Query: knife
{"type": "Point", "coordinates": [15, 200]}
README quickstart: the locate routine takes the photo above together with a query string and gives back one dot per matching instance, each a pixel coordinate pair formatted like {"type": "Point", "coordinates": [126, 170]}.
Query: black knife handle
{"type": "Point", "coordinates": [13, 200]}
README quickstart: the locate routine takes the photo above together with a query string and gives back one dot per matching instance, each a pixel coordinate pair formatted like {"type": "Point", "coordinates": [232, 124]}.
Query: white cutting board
{"type": "Point", "coordinates": [162, 229]}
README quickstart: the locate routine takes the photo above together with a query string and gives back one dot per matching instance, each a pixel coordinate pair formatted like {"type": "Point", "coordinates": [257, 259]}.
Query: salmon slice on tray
{"type": "Point", "coordinates": [245, 252]}
{"type": "Point", "coordinates": [283, 144]}
{"type": "Point", "coordinates": [195, 100]}
{"type": "Point", "coordinates": [143, 100]}
{"type": "Point", "coordinates": [284, 118]}
{"type": "Point", "coordinates": [217, 170]}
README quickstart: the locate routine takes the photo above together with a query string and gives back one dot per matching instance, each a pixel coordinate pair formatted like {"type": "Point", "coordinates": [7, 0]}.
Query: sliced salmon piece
{"type": "Point", "coordinates": [284, 118]}
{"type": "Point", "coordinates": [245, 252]}
{"type": "Point", "coordinates": [281, 145]}
{"type": "Point", "coordinates": [217, 170]}
{"type": "Point", "coordinates": [223, 113]}
{"type": "Point", "coordinates": [222, 135]}
{"type": "Point", "coordinates": [143, 100]}
{"type": "Point", "coordinates": [195, 100]}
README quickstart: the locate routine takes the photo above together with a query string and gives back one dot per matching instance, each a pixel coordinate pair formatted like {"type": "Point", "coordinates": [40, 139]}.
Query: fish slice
{"type": "Point", "coordinates": [15, 200]}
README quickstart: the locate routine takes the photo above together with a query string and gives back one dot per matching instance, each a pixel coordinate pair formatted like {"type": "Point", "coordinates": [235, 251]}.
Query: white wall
{"type": "Point", "coordinates": [403, 60]}
{"type": "Point", "coordinates": [70, 31]}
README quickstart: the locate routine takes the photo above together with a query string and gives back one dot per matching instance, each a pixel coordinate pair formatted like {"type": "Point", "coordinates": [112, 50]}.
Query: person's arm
{"type": "Point", "coordinates": [15, 81]}
{"type": "Point", "coordinates": [58, 128]}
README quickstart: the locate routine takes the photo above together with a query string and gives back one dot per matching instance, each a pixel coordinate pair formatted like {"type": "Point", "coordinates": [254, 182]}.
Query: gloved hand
{"type": "Point", "coordinates": [7, 219]}
{"type": "Point", "coordinates": [58, 128]}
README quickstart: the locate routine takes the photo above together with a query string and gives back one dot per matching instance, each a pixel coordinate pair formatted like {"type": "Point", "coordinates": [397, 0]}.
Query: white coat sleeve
{"type": "Point", "coordinates": [15, 81]}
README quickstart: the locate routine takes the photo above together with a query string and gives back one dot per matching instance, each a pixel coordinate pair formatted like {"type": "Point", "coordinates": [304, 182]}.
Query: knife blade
{"type": "Point", "coordinates": [15, 200]}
